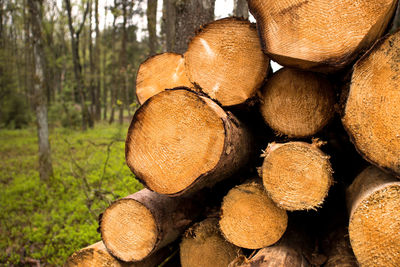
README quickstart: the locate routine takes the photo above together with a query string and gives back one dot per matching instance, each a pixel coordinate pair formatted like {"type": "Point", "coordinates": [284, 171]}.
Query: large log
{"type": "Point", "coordinates": [372, 113]}
{"type": "Point", "coordinates": [374, 227]}
{"type": "Point", "coordinates": [179, 142]}
{"type": "Point", "coordinates": [296, 175]}
{"type": "Point", "coordinates": [96, 255]}
{"type": "Point", "coordinates": [250, 219]}
{"type": "Point", "coordinates": [136, 226]}
{"type": "Point", "coordinates": [297, 103]}
{"type": "Point", "coordinates": [203, 245]}
{"type": "Point", "coordinates": [160, 72]}
{"type": "Point", "coordinates": [226, 61]}
{"type": "Point", "coordinates": [338, 250]}
{"type": "Point", "coordinates": [320, 35]}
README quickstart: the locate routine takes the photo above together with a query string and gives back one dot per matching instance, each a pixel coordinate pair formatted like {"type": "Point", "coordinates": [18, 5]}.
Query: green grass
{"type": "Point", "coordinates": [50, 220]}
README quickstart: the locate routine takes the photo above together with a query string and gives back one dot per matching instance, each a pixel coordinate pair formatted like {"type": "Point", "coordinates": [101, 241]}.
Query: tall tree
{"type": "Point", "coordinates": [97, 61]}
{"type": "Point", "coordinates": [151, 25]}
{"type": "Point", "coordinates": [187, 23]}
{"type": "Point", "coordinates": [240, 9]}
{"type": "Point", "coordinates": [39, 99]}
{"type": "Point", "coordinates": [75, 35]}
{"type": "Point", "coordinates": [168, 24]}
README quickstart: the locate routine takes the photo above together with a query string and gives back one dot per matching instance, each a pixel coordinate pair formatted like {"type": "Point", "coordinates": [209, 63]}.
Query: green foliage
{"type": "Point", "coordinates": [50, 220]}
{"type": "Point", "coordinates": [15, 113]}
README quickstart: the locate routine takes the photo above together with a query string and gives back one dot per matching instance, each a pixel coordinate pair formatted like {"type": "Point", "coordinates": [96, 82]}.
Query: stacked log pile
{"type": "Point", "coordinates": [222, 195]}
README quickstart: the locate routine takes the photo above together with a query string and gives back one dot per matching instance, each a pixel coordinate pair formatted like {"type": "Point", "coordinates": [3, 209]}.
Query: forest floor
{"type": "Point", "coordinates": [46, 221]}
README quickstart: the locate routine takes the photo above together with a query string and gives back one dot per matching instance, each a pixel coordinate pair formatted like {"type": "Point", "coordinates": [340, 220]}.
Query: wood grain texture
{"type": "Point", "coordinates": [250, 219]}
{"type": "Point", "coordinates": [374, 201]}
{"type": "Point", "coordinates": [372, 113]}
{"type": "Point", "coordinates": [320, 35]}
{"type": "Point", "coordinates": [160, 72]}
{"type": "Point", "coordinates": [203, 245]}
{"type": "Point", "coordinates": [225, 60]}
{"type": "Point", "coordinates": [138, 225]}
{"type": "Point", "coordinates": [296, 175]}
{"type": "Point", "coordinates": [297, 103]}
{"type": "Point", "coordinates": [179, 141]}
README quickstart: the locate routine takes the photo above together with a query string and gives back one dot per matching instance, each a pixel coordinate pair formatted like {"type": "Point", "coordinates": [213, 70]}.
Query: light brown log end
{"type": "Point", "coordinates": [297, 103]}
{"type": "Point", "coordinates": [320, 35]}
{"type": "Point", "coordinates": [250, 219]}
{"type": "Point", "coordinates": [225, 59]}
{"type": "Point", "coordinates": [372, 112]}
{"type": "Point", "coordinates": [374, 227]}
{"type": "Point", "coordinates": [203, 245]}
{"type": "Point", "coordinates": [296, 175]}
{"type": "Point", "coordinates": [160, 72]}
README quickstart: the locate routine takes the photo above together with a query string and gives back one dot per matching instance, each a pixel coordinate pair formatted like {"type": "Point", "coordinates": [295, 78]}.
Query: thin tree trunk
{"type": "Point", "coordinates": [104, 80]}
{"type": "Point", "coordinates": [92, 67]}
{"type": "Point", "coordinates": [97, 63]}
{"type": "Point", "coordinates": [168, 25]}
{"type": "Point", "coordinates": [186, 23]}
{"type": "Point", "coordinates": [113, 70]}
{"type": "Point", "coordinates": [122, 61]}
{"type": "Point", "coordinates": [151, 25]}
{"type": "Point", "coordinates": [86, 120]}
{"type": "Point", "coordinates": [240, 9]}
{"type": "Point", "coordinates": [40, 102]}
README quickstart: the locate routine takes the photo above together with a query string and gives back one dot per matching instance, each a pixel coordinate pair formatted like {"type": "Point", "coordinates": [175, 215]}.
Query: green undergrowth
{"type": "Point", "coordinates": [49, 220]}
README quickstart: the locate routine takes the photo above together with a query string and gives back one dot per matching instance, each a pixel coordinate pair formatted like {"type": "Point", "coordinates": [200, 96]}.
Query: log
{"type": "Point", "coordinates": [296, 175]}
{"type": "Point", "coordinates": [320, 35]}
{"type": "Point", "coordinates": [203, 245]}
{"type": "Point", "coordinates": [226, 61]}
{"type": "Point", "coordinates": [136, 226]}
{"type": "Point", "coordinates": [297, 103]}
{"type": "Point", "coordinates": [97, 255]}
{"type": "Point", "coordinates": [374, 201]}
{"type": "Point", "coordinates": [338, 250]}
{"type": "Point", "coordinates": [160, 72]}
{"type": "Point", "coordinates": [179, 142]}
{"type": "Point", "coordinates": [372, 113]}
{"type": "Point", "coordinates": [250, 219]}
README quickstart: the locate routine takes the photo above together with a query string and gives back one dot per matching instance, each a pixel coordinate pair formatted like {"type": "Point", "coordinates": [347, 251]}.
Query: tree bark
{"type": "Point", "coordinates": [75, 34]}
{"type": "Point", "coordinates": [168, 24]}
{"type": "Point", "coordinates": [114, 86]}
{"type": "Point", "coordinates": [97, 55]}
{"type": "Point", "coordinates": [40, 102]}
{"type": "Point", "coordinates": [123, 64]}
{"type": "Point", "coordinates": [240, 9]}
{"type": "Point", "coordinates": [190, 15]}
{"type": "Point", "coordinates": [151, 25]}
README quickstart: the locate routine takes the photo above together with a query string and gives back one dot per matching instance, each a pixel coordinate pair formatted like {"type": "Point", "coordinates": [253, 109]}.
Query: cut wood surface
{"type": "Point", "coordinates": [226, 61]}
{"type": "Point", "coordinates": [97, 255]}
{"type": "Point", "coordinates": [296, 175]}
{"type": "Point", "coordinates": [320, 35]}
{"type": "Point", "coordinates": [160, 72]}
{"type": "Point", "coordinates": [297, 103]}
{"type": "Point", "coordinates": [203, 245]}
{"type": "Point", "coordinates": [250, 219]}
{"type": "Point", "coordinates": [136, 226]}
{"type": "Point", "coordinates": [372, 112]}
{"type": "Point", "coordinates": [374, 227]}
{"type": "Point", "coordinates": [179, 141]}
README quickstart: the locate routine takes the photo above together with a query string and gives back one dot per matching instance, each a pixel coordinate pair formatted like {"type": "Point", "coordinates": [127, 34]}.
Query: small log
{"type": "Point", "coordinates": [320, 35]}
{"type": "Point", "coordinates": [226, 61]}
{"type": "Point", "coordinates": [372, 113]}
{"type": "Point", "coordinates": [179, 142]}
{"type": "Point", "coordinates": [374, 227]}
{"type": "Point", "coordinates": [97, 255]}
{"type": "Point", "coordinates": [136, 226]}
{"type": "Point", "coordinates": [297, 103]}
{"type": "Point", "coordinates": [203, 245]}
{"type": "Point", "coordinates": [250, 219]}
{"type": "Point", "coordinates": [296, 175]}
{"type": "Point", "coordinates": [160, 72]}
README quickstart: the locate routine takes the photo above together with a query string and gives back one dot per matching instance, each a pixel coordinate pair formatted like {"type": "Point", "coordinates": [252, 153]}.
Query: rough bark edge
{"type": "Point", "coordinates": [326, 66]}
{"type": "Point", "coordinates": [211, 177]}
{"type": "Point", "coordinates": [149, 58]}
{"type": "Point", "coordinates": [376, 46]}
{"type": "Point", "coordinates": [204, 28]}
